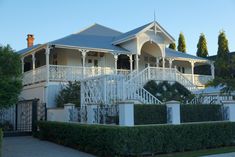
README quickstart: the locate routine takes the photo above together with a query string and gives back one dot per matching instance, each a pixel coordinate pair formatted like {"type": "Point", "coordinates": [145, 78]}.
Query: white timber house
{"type": "Point", "coordinates": [112, 66]}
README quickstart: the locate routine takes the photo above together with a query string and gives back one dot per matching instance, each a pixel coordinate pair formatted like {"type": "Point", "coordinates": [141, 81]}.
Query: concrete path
{"type": "Point", "coordinates": [31, 147]}
{"type": "Point", "coordinates": [222, 155]}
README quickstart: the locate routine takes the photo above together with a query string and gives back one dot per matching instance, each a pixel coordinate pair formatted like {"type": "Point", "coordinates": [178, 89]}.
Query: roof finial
{"type": "Point", "coordinates": [154, 16]}
{"type": "Point", "coordinates": [155, 31]}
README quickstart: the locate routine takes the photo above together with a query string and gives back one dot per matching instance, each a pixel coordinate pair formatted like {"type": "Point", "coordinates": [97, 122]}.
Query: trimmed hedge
{"type": "Point", "coordinates": [107, 141]}
{"type": "Point", "coordinates": [1, 135]}
{"type": "Point", "coordinates": [200, 113]}
{"type": "Point", "coordinates": [150, 114]}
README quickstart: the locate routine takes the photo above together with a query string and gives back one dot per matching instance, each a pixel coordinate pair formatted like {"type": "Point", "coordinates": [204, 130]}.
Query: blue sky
{"type": "Point", "coordinates": [52, 19]}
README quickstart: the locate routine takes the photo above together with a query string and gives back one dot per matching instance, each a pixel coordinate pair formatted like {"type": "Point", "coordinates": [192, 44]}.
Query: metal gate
{"type": "Point", "coordinates": [21, 119]}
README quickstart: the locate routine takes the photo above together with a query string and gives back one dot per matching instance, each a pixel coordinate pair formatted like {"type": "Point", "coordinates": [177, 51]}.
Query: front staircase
{"type": "Point", "coordinates": [109, 89]}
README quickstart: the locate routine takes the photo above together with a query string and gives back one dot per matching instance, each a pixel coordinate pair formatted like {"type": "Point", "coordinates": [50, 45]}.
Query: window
{"type": "Point", "coordinates": [89, 61]}
{"type": "Point", "coordinates": [179, 69]}
{"type": "Point", "coordinates": [96, 63]}
{"type": "Point", "coordinates": [183, 70]}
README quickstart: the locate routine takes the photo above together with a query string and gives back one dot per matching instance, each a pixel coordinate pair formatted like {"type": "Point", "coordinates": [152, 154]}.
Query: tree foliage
{"type": "Point", "coordinates": [202, 46]}
{"type": "Point", "coordinates": [181, 43]}
{"type": "Point", "coordinates": [10, 76]}
{"type": "Point", "coordinates": [165, 91]}
{"type": "Point", "coordinates": [69, 94]}
{"type": "Point", "coordinates": [172, 46]}
{"type": "Point", "coordinates": [224, 66]}
{"type": "Point", "coordinates": [222, 45]}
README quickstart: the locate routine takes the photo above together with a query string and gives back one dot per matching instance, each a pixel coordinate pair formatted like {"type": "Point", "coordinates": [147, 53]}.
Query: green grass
{"type": "Point", "coordinates": [201, 152]}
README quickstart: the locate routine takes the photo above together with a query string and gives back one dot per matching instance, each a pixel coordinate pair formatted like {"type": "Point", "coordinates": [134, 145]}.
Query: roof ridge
{"type": "Point", "coordinates": [85, 28]}
{"type": "Point", "coordinates": [97, 25]}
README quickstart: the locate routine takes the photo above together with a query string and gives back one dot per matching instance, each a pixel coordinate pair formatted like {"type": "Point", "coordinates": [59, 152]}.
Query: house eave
{"type": "Point", "coordinates": [92, 49]}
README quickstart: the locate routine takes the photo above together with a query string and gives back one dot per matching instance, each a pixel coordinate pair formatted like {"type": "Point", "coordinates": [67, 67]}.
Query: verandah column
{"type": "Point", "coordinates": [163, 62]}
{"type": "Point", "coordinates": [22, 64]}
{"type": "Point", "coordinates": [170, 62]}
{"type": "Point", "coordinates": [84, 51]}
{"type": "Point", "coordinates": [131, 62]}
{"type": "Point", "coordinates": [171, 70]}
{"type": "Point", "coordinates": [33, 61]}
{"type": "Point", "coordinates": [212, 70]}
{"type": "Point", "coordinates": [192, 69]}
{"type": "Point", "coordinates": [115, 66]}
{"type": "Point", "coordinates": [157, 61]}
{"type": "Point", "coordinates": [137, 62]}
{"type": "Point", "coordinates": [47, 63]}
{"type": "Point", "coordinates": [163, 67]}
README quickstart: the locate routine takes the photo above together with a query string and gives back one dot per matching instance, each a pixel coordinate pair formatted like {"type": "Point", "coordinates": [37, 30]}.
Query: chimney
{"type": "Point", "coordinates": [30, 40]}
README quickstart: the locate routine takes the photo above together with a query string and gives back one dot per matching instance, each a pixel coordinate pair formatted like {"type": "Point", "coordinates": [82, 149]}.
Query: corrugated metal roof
{"type": "Point", "coordinates": [89, 41]}
{"type": "Point", "coordinates": [28, 49]}
{"type": "Point", "coordinates": [177, 54]}
{"type": "Point", "coordinates": [99, 30]}
{"type": "Point", "coordinates": [134, 32]}
{"type": "Point", "coordinates": [131, 33]}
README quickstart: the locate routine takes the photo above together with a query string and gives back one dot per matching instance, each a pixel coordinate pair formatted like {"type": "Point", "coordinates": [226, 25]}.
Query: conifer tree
{"type": "Point", "coordinates": [202, 46]}
{"type": "Point", "coordinates": [222, 60]}
{"type": "Point", "coordinates": [181, 43]}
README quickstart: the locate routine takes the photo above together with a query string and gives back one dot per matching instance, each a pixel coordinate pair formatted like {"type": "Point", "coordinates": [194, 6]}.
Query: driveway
{"type": "Point", "coordinates": [27, 146]}
{"type": "Point", "coordinates": [222, 155]}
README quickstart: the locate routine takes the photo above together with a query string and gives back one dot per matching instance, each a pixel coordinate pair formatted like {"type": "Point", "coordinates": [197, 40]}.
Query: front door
{"type": "Point", "coordinates": [92, 62]}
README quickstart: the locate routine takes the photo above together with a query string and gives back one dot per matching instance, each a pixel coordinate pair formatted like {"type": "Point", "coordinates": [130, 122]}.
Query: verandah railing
{"type": "Point", "coordinates": [67, 73]}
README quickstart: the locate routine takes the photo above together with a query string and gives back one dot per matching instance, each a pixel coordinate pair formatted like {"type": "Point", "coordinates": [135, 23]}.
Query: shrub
{"type": "Point", "coordinates": [6, 126]}
{"type": "Point", "coordinates": [165, 91]}
{"type": "Point", "coordinates": [150, 114]}
{"type": "Point", "coordinates": [69, 94]}
{"type": "Point", "coordinates": [10, 76]}
{"type": "Point", "coordinates": [123, 141]}
{"type": "Point", "coordinates": [200, 113]}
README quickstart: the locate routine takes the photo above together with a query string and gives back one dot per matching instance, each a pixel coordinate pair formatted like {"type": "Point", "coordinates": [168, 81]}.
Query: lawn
{"type": "Point", "coordinates": [200, 152]}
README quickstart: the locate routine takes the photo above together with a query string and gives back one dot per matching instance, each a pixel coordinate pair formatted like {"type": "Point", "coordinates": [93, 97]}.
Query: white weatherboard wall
{"type": "Point", "coordinates": [33, 91]}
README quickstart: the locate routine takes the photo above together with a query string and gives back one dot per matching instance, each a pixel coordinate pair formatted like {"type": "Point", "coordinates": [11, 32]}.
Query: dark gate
{"type": "Point", "coordinates": [21, 119]}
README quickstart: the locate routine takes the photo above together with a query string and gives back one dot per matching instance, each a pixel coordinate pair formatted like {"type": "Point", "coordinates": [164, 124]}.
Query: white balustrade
{"type": "Point", "coordinates": [34, 76]}
{"type": "Point", "coordinates": [210, 99]}
{"type": "Point", "coordinates": [65, 73]}
{"type": "Point", "coordinates": [123, 72]}
{"type": "Point", "coordinates": [199, 80]}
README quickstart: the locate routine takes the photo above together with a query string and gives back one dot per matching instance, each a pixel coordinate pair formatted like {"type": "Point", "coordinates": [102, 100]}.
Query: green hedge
{"type": "Point", "coordinates": [150, 114]}
{"type": "Point", "coordinates": [200, 113]}
{"type": "Point", "coordinates": [105, 141]}
{"type": "Point", "coordinates": [1, 135]}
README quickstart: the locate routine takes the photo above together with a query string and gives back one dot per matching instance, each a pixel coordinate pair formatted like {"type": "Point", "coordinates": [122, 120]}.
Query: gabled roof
{"type": "Point", "coordinates": [176, 54]}
{"type": "Point", "coordinates": [28, 49]}
{"type": "Point", "coordinates": [131, 34]}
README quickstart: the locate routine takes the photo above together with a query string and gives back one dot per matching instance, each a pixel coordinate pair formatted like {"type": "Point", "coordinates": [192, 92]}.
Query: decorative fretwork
{"type": "Point", "coordinates": [106, 114]}
{"type": "Point", "coordinates": [78, 114]}
{"type": "Point", "coordinates": [104, 89]}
